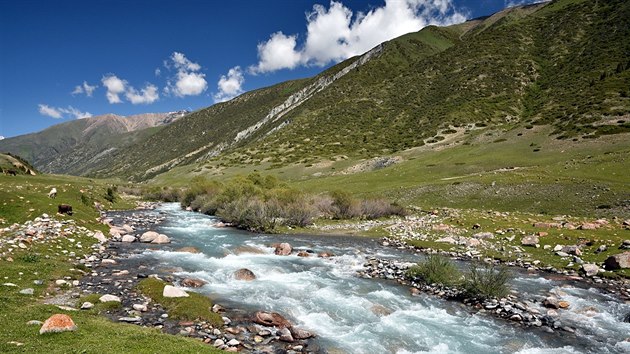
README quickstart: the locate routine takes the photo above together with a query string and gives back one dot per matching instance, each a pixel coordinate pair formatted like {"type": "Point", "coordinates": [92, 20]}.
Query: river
{"type": "Point", "coordinates": [355, 315]}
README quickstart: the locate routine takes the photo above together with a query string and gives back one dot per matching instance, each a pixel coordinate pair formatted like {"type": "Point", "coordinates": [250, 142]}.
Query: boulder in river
{"type": "Point", "coordinates": [149, 236]}
{"type": "Point", "coordinates": [298, 333]}
{"type": "Point", "coordinates": [58, 323]}
{"type": "Point", "coordinates": [618, 261]}
{"type": "Point", "coordinates": [188, 250]}
{"type": "Point", "coordinates": [192, 283]}
{"type": "Point", "coordinates": [128, 238]}
{"type": "Point", "coordinates": [244, 274]}
{"type": "Point", "coordinates": [161, 239]}
{"type": "Point", "coordinates": [271, 319]}
{"type": "Point", "coordinates": [283, 249]}
{"type": "Point", "coordinates": [552, 302]}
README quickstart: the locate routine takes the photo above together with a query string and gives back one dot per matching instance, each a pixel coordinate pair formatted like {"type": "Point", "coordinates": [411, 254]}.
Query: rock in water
{"type": "Point", "coordinates": [285, 335]}
{"type": "Point", "coordinates": [192, 283]}
{"type": "Point", "coordinates": [298, 333]}
{"type": "Point", "coordinates": [161, 239]}
{"type": "Point", "coordinates": [188, 250]}
{"type": "Point", "coordinates": [171, 291]}
{"type": "Point", "coordinates": [149, 236]}
{"type": "Point", "coordinates": [58, 323]}
{"type": "Point", "coordinates": [283, 249]}
{"type": "Point", "coordinates": [271, 319]}
{"type": "Point", "coordinates": [618, 261]}
{"type": "Point", "coordinates": [551, 302]}
{"type": "Point", "coordinates": [244, 274]}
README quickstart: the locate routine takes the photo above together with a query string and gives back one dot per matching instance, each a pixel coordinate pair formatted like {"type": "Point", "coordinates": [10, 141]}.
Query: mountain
{"type": "Point", "coordinates": [562, 64]}
{"type": "Point", "coordinates": [76, 146]}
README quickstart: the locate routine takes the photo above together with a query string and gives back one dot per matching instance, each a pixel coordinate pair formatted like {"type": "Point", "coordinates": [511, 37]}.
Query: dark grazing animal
{"type": "Point", "coordinates": [64, 209]}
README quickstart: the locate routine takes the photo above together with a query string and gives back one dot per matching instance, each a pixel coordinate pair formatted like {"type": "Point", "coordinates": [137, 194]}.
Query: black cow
{"type": "Point", "coordinates": [64, 209]}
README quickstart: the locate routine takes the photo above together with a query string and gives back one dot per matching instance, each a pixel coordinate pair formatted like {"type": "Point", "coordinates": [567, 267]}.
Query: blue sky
{"type": "Point", "coordinates": [63, 60]}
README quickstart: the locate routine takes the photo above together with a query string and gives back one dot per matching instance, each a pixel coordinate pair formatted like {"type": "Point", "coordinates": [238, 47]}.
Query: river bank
{"type": "Point", "coordinates": [182, 264]}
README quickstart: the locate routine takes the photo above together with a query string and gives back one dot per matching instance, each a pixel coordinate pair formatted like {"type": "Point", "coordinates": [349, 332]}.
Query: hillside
{"type": "Point", "coordinates": [562, 64]}
{"type": "Point", "coordinates": [76, 146]}
{"type": "Point", "coordinates": [14, 165]}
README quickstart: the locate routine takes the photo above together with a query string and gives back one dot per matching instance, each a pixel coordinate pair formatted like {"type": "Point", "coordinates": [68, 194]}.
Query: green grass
{"type": "Point", "coordinates": [193, 307]}
{"type": "Point", "coordinates": [46, 261]}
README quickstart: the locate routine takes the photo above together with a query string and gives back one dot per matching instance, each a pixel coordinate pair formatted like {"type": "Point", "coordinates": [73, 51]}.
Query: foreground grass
{"type": "Point", "coordinates": [23, 198]}
{"type": "Point", "coordinates": [193, 307]}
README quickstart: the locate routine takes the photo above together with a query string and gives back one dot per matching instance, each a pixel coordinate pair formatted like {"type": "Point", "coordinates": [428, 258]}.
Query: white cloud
{"type": "Point", "coordinates": [115, 87]}
{"type": "Point", "coordinates": [84, 88]}
{"type": "Point", "coordinates": [149, 95]}
{"type": "Point", "coordinates": [336, 33]}
{"type": "Point", "coordinates": [230, 85]}
{"type": "Point", "coordinates": [277, 53]}
{"type": "Point", "coordinates": [158, 72]}
{"type": "Point", "coordinates": [49, 111]}
{"type": "Point", "coordinates": [58, 112]}
{"type": "Point", "coordinates": [188, 80]}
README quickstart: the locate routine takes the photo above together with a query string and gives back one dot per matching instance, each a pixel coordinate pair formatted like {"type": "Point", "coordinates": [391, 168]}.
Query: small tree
{"type": "Point", "coordinates": [110, 196]}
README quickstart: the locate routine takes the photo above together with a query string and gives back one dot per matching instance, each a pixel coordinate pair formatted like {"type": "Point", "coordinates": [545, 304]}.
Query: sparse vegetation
{"type": "Point", "coordinates": [485, 280]}
{"type": "Point", "coordinates": [437, 269]}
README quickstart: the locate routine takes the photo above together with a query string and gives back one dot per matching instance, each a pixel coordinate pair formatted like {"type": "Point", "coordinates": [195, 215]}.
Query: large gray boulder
{"type": "Point", "coordinates": [161, 239]}
{"type": "Point", "coordinates": [149, 236]}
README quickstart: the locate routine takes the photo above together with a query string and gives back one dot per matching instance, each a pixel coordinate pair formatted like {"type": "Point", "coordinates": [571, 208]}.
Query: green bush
{"type": "Point", "coordinates": [436, 269]}
{"type": "Point", "coordinates": [487, 281]}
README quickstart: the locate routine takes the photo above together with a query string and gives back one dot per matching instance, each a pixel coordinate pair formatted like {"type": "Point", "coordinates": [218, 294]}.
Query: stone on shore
{"type": "Point", "coordinates": [285, 335]}
{"type": "Point", "coordinates": [58, 323]}
{"type": "Point", "coordinates": [271, 319]}
{"type": "Point", "coordinates": [109, 298]}
{"type": "Point", "coordinates": [128, 239]}
{"type": "Point", "coordinates": [87, 305]}
{"type": "Point", "coordinates": [618, 261]}
{"type": "Point", "coordinates": [530, 240]}
{"type": "Point", "coordinates": [98, 235]}
{"type": "Point", "coordinates": [590, 269]}
{"type": "Point", "coordinates": [171, 291]}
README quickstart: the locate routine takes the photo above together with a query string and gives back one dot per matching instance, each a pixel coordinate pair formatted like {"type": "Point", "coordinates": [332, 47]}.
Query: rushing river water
{"type": "Point", "coordinates": [354, 315]}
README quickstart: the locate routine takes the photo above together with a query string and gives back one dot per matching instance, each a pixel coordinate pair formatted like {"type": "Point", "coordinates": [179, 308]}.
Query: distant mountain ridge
{"type": "Point", "coordinates": [72, 147]}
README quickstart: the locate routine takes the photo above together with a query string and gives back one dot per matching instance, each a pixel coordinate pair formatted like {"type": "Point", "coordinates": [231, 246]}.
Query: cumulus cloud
{"type": "Point", "coordinates": [230, 85]}
{"type": "Point", "coordinates": [58, 112]}
{"type": "Point", "coordinates": [149, 95]}
{"type": "Point", "coordinates": [114, 86]}
{"type": "Point", "coordinates": [117, 87]}
{"type": "Point", "coordinates": [336, 33]}
{"type": "Point", "coordinates": [84, 88]}
{"type": "Point", "coordinates": [188, 81]}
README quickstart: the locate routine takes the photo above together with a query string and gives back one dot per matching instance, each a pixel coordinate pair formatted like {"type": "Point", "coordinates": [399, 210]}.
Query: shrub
{"type": "Point", "coordinates": [110, 196]}
{"type": "Point", "coordinates": [344, 206]}
{"type": "Point", "coordinates": [436, 269]}
{"type": "Point", "coordinates": [378, 208]}
{"type": "Point", "coordinates": [487, 281]}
